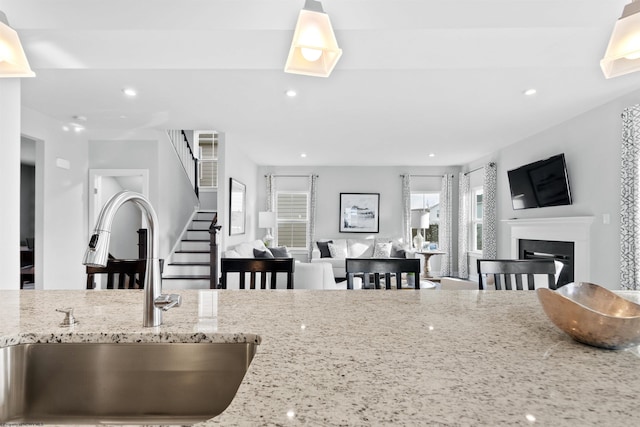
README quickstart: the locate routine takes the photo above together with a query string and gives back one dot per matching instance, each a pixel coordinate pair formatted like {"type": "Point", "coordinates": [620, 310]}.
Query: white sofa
{"type": "Point", "coordinates": [305, 276]}
{"type": "Point", "coordinates": [358, 248]}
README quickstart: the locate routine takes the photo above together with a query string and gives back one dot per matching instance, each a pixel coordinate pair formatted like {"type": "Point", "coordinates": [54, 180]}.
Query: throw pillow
{"type": "Point", "coordinates": [257, 253]}
{"type": "Point", "coordinates": [333, 250]}
{"type": "Point", "coordinates": [324, 249]}
{"type": "Point", "coordinates": [382, 250]}
{"type": "Point", "coordinates": [280, 252]}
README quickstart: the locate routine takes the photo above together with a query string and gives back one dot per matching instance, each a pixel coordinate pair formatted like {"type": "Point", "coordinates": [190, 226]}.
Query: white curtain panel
{"type": "Point", "coordinates": [444, 231]}
{"type": "Point", "coordinates": [629, 200]}
{"type": "Point", "coordinates": [313, 197]}
{"type": "Point", "coordinates": [489, 212]}
{"type": "Point", "coordinates": [406, 208]}
{"type": "Point", "coordinates": [463, 225]}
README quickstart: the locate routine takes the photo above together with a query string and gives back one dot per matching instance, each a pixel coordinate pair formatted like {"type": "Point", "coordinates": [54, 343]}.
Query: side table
{"type": "Point", "coordinates": [427, 255]}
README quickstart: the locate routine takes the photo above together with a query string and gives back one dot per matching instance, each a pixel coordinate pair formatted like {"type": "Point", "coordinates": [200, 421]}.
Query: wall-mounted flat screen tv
{"type": "Point", "coordinates": [540, 184]}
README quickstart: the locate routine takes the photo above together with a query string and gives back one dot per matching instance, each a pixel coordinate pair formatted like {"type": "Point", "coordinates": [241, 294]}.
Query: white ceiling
{"type": "Point", "coordinates": [416, 76]}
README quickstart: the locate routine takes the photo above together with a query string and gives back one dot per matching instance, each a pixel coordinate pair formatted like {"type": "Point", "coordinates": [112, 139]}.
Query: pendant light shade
{"type": "Point", "coordinates": [13, 62]}
{"type": "Point", "coordinates": [314, 50]}
{"type": "Point", "coordinates": [623, 53]}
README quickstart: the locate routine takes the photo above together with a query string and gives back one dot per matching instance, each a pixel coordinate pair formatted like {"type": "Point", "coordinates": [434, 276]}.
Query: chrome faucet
{"type": "Point", "coordinates": [97, 253]}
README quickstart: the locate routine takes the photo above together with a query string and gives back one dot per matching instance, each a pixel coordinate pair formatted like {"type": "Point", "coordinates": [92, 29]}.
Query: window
{"type": "Point", "coordinates": [421, 203]}
{"type": "Point", "coordinates": [292, 217]}
{"type": "Point", "coordinates": [208, 160]}
{"type": "Point", "coordinates": [476, 219]}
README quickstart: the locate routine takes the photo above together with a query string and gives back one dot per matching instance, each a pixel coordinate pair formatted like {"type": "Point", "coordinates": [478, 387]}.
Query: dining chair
{"type": "Point", "coordinates": [385, 267]}
{"type": "Point", "coordinates": [510, 270]}
{"type": "Point", "coordinates": [257, 265]}
{"type": "Point", "coordinates": [128, 274]}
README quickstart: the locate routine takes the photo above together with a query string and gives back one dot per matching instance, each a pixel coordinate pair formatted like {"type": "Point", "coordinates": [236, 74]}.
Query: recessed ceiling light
{"type": "Point", "coordinates": [65, 128]}
{"type": "Point", "coordinates": [530, 92]}
{"type": "Point", "coordinates": [291, 93]}
{"type": "Point", "coordinates": [78, 129]}
{"type": "Point", "coordinates": [303, 155]}
{"type": "Point", "coordinates": [129, 92]}
{"type": "Point", "coordinates": [432, 154]}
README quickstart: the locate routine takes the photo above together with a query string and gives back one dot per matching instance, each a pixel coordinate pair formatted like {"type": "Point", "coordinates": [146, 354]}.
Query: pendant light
{"type": "Point", "coordinates": [623, 53]}
{"type": "Point", "coordinates": [314, 49]}
{"type": "Point", "coordinates": [13, 62]}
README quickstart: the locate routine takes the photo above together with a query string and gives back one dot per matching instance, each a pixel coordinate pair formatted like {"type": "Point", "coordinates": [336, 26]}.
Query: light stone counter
{"type": "Point", "coordinates": [456, 358]}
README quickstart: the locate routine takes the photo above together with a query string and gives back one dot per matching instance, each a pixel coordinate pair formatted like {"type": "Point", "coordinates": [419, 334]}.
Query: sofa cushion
{"type": "Point", "coordinates": [398, 251]}
{"type": "Point", "coordinates": [257, 253]}
{"type": "Point", "coordinates": [231, 254]}
{"type": "Point", "coordinates": [360, 248]}
{"type": "Point", "coordinates": [324, 248]}
{"type": "Point", "coordinates": [382, 250]}
{"type": "Point", "coordinates": [280, 252]}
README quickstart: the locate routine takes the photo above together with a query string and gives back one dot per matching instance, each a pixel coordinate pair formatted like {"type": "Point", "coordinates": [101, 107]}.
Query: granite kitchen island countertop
{"type": "Point", "coordinates": [368, 357]}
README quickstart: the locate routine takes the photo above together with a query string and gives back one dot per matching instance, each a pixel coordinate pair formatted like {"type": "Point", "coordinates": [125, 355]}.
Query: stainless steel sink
{"type": "Point", "coordinates": [140, 383]}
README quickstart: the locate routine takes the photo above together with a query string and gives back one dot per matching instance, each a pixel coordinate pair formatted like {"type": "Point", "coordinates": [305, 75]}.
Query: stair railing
{"type": "Point", "coordinates": [184, 152]}
{"type": "Point", "coordinates": [213, 256]}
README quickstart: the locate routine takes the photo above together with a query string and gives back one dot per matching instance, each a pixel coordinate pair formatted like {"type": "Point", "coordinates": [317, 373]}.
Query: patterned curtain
{"type": "Point", "coordinates": [629, 200]}
{"type": "Point", "coordinates": [406, 208]}
{"type": "Point", "coordinates": [489, 212]}
{"type": "Point", "coordinates": [444, 231]}
{"type": "Point", "coordinates": [271, 194]}
{"type": "Point", "coordinates": [463, 225]}
{"type": "Point", "coordinates": [313, 197]}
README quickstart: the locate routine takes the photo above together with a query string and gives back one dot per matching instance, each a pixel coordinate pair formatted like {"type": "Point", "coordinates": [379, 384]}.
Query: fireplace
{"type": "Point", "coordinates": [576, 230]}
{"type": "Point", "coordinates": [550, 249]}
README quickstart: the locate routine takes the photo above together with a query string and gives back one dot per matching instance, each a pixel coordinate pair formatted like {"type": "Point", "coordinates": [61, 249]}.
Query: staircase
{"type": "Point", "coordinates": [189, 266]}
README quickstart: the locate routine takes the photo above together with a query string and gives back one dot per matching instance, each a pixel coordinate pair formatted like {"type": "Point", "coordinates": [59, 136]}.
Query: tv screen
{"type": "Point", "coordinates": [540, 184]}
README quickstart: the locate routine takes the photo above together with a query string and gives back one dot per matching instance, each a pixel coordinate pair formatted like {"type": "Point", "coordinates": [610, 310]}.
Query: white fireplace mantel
{"type": "Point", "coordinates": [566, 229]}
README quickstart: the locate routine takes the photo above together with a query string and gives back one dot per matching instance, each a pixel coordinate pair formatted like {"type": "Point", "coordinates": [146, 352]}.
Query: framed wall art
{"type": "Point", "coordinates": [359, 212]}
{"type": "Point", "coordinates": [237, 206]}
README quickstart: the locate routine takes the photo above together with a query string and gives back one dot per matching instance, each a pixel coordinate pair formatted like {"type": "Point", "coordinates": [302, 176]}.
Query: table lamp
{"type": "Point", "coordinates": [419, 220]}
{"type": "Point", "coordinates": [267, 220]}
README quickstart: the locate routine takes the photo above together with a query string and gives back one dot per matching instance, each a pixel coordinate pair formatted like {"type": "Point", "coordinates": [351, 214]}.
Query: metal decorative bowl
{"type": "Point", "coordinates": [593, 315]}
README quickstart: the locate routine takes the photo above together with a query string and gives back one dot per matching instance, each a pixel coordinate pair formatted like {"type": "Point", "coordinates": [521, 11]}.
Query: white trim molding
{"type": "Point", "coordinates": [575, 229]}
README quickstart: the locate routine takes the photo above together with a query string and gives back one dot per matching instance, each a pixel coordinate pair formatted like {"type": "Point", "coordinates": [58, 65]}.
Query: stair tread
{"type": "Point", "coordinates": [194, 240]}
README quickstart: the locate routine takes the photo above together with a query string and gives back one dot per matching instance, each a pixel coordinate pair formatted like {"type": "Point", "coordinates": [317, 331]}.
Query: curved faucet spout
{"type": "Point", "coordinates": [98, 249]}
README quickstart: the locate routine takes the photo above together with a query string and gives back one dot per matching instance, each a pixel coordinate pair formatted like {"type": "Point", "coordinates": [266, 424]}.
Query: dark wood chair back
{"type": "Point", "coordinates": [128, 274]}
{"type": "Point", "coordinates": [382, 266]}
{"type": "Point", "coordinates": [257, 265]}
{"type": "Point", "coordinates": [508, 270]}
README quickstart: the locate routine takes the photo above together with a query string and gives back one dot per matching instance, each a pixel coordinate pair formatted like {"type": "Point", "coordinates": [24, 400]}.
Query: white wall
{"type": "Point", "coordinates": [177, 199]}
{"type": "Point", "coordinates": [591, 144]}
{"type": "Point", "coordinates": [10, 189]}
{"type": "Point", "coordinates": [61, 203]}
{"type": "Point", "coordinates": [234, 163]}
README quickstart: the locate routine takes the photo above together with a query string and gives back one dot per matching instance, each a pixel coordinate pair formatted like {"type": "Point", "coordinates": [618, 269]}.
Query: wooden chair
{"type": "Point", "coordinates": [506, 269]}
{"type": "Point", "coordinates": [382, 266]}
{"type": "Point", "coordinates": [257, 265]}
{"type": "Point", "coordinates": [128, 273]}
